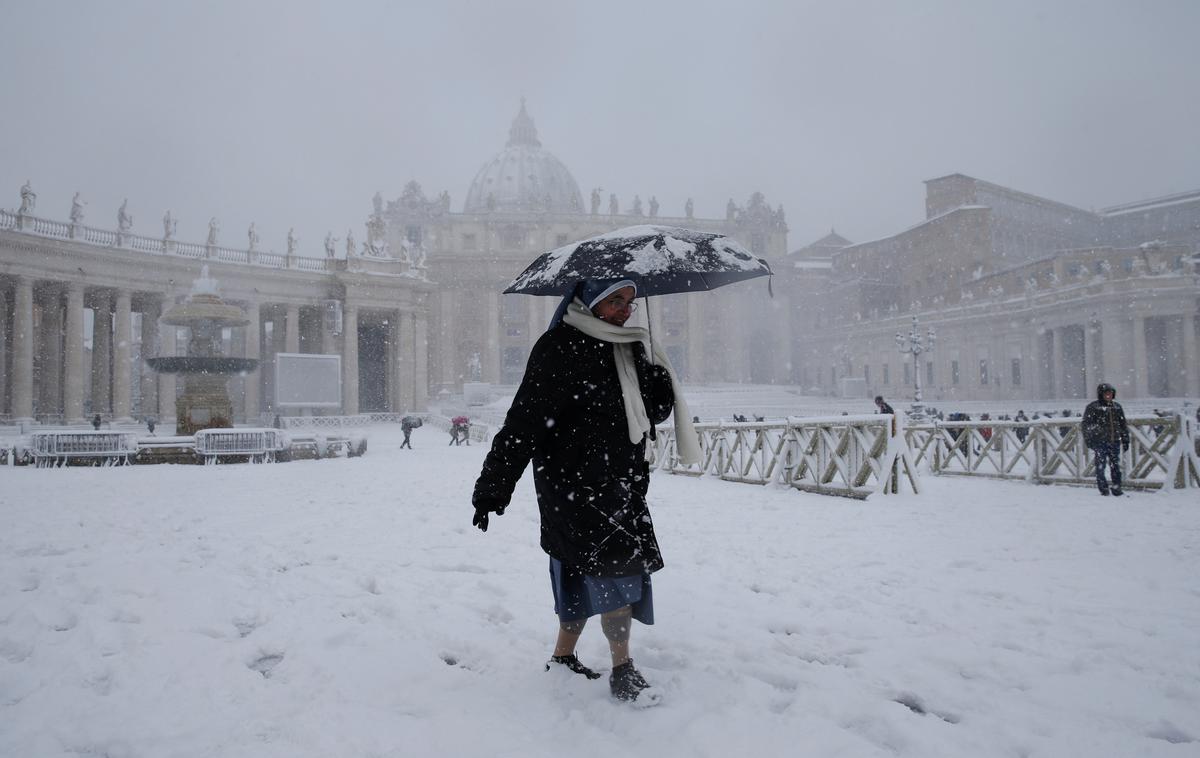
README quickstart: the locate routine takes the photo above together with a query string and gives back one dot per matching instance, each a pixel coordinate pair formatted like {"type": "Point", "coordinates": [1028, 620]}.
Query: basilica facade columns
{"type": "Point", "coordinates": [166, 382]}
{"type": "Point", "coordinates": [291, 342]}
{"type": "Point", "coordinates": [404, 362]}
{"type": "Point", "coordinates": [420, 361]}
{"type": "Point", "coordinates": [101, 368]}
{"type": "Point", "coordinates": [253, 347]}
{"type": "Point", "coordinates": [4, 349]}
{"type": "Point", "coordinates": [49, 357]}
{"type": "Point", "coordinates": [147, 379]}
{"type": "Point", "coordinates": [1140, 379]}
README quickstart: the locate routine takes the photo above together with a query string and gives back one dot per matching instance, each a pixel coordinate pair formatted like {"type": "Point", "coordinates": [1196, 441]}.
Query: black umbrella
{"type": "Point", "coordinates": [660, 259]}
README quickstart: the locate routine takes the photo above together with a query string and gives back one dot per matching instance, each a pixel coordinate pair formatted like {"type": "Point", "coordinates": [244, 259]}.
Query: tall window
{"type": "Point", "coordinates": [983, 371]}
{"type": "Point", "coordinates": [954, 372]}
{"type": "Point", "coordinates": [1016, 372]}
{"type": "Point", "coordinates": [929, 373]}
{"type": "Point", "coordinates": [886, 378]}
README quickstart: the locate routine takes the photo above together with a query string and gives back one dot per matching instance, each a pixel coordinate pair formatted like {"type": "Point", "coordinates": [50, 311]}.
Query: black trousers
{"type": "Point", "coordinates": [1108, 454]}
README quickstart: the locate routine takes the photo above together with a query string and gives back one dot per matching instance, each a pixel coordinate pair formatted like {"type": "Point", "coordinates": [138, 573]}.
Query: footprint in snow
{"type": "Point", "coordinates": [266, 663]}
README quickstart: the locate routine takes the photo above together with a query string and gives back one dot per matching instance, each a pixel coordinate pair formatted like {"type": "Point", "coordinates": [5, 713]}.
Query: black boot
{"type": "Point", "coordinates": [626, 682]}
{"type": "Point", "coordinates": [572, 663]}
{"type": "Point", "coordinates": [1104, 492]}
{"type": "Point", "coordinates": [1117, 491]}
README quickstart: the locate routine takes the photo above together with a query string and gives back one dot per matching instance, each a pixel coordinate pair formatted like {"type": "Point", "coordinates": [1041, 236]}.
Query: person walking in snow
{"type": "Point", "coordinates": [587, 404]}
{"type": "Point", "coordinates": [1107, 434]}
{"type": "Point", "coordinates": [882, 406]}
{"type": "Point", "coordinates": [1023, 430]}
{"type": "Point", "coordinates": [407, 424]}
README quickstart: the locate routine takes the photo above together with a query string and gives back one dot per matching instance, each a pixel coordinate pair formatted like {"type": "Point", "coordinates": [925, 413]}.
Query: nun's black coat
{"type": "Point", "coordinates": [568, 416]}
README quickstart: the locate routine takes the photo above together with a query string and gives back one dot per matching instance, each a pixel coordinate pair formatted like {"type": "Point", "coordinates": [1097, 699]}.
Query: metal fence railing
{"type": "Point", "coordinates": [259, 445]}
{"type": "Point", "coordinates": [1163, 451]}
{"type": "Point", "coordinates": [850, 456]}
{"type": "Point", "coordinates": [58, 448]}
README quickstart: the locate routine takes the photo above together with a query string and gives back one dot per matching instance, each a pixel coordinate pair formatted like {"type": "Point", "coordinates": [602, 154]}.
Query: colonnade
{"type": "Point", "coordinates": [47, 371]}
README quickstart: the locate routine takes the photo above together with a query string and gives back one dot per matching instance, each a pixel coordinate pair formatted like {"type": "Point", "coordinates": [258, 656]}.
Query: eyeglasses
{"type": "Point", "coordinates": [620, 305]}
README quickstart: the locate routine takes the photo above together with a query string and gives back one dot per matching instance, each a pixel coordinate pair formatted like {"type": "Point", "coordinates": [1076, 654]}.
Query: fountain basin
{"type": "Point", "coordinates": [196, 364]}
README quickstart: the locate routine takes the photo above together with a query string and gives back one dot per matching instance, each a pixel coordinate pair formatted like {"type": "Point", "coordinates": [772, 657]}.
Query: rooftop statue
{"type": "Point", "coordinates": [213, 228]}
{"type": "Point", "coordinates": [653, 206]}
{"type": "Point", "coordinates": [378, 203]}
{"type": "Point", "coordinates": [595, 200]}
{"type": "Point", "coordinates": [124, 220]}
{"type": "Point", "coordinates": [77, 209]}
{"type": "Point", "coordinates": [637, 205]}
{"type": "Point", "coordinates": [252, 236]}
{"type": "Point", "coordinates": [688, 208]}
{"type": "Point", "coordinates": [330, 240]}
{"type": "Point", "coordinates": [613, 206]}
{"type": "Point", "coordinates": [291, 242]}
{"type": "Point", "coordinates": [28, 199]}
{"type": "Point", "coordinates": [169, 224]}
{"type": "Point", "coordinates": [350, 250]}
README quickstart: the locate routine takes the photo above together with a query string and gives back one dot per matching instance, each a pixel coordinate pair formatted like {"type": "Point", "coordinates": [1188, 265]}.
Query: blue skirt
{"type": "Point", "coordinates": [578, 596]}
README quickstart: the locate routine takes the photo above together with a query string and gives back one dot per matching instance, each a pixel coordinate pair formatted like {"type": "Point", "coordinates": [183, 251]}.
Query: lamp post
{"type": "Point", "coordinates": [916, 344]}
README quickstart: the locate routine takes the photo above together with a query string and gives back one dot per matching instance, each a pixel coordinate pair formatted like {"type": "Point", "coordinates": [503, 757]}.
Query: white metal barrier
{"type": "Point", "coordinates": [340, 422]}
{"type": "Point", "coordinates": [849, 456]}
{"type": "Point", "coordinates": [260, 445]}
{"type": "Point", "coordinates": [1162, 453]}
{"type": "Point", "coordinates": [58, 448]}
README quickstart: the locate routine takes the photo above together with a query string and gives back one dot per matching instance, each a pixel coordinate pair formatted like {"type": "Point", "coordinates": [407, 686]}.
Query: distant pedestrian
{"type": "Point", "coordinates": [1022, 431]}
{"type": "Point", "coordinates": [407, 424]}
{"type": "Point", "coordinates": [1107, 434]}
{"type": "Point", "coordinates": [460, 431]}
{"type": "Point", "coordinates": [882, 405]}
{"type": "Point", "coordinates": [150, 424]}
{"type": "Point", "coordinates": [96, 421]}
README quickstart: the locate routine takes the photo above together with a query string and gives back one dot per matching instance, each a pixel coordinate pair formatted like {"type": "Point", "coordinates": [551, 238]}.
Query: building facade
{"type": "Point", "coordinates": [1029, 298]}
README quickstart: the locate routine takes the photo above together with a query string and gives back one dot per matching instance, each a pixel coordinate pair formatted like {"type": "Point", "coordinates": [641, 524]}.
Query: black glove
{"type": "Point", "coordinates": [480, 518]}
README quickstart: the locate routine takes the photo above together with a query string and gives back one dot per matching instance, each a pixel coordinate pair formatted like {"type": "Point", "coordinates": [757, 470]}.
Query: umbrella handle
{"type": "Point", "coordinates": [649, 331]}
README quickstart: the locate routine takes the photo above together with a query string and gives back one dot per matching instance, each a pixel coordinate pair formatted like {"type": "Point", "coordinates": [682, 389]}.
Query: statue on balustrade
{"type": "Point", "coordinates": [252, 237]}
{"type": "Point", "coordinates": [350, 249]}
{"type": "Point", "coordinates": [613, 206]}
{"type": "Point", "coordinates": [376, 235]}
{"type": "Point", "coordinates": [730, 210]}
{"type": "Point", "coordinates": [596, 200]}
{"type": "Point", "coordinates": [688, 208]}
{"type": "Point", "coordinates": [124, 220]}
{"type": "Point", "coordinates": [377, 201]}
{"type": "Point", "coordinates": [28, 199]}
{"type": "Point", "coordinates": [169, 225]}
{"type": "Point", "coordinates": [292, 241]}
{"type": "Point", "coordinates": [77, 209]}
{"type": "Point", "coordinates": [329, 245]}
{"type": "Point", "coordinates": [637, 205]}
{"type": "Point", "coordinates": [653, 207]}
{"type": "Point", "coordinates": [213, 228]}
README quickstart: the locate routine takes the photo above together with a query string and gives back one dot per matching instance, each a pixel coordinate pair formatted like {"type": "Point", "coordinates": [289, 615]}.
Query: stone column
{"type": "Point", "coordinates": [694, 370]}
{"type": "Point", "coordinates": [405, 365]}
{"type": "Point", "coordinates": [22, 358]}
{"type": "Point", "coordinates": [102, 354]}
{"type": "Point", "coordinates": [1191, 357]}
{"type": "Point", "coordinates": [253, 339]}
{"type": "Point", "coordinates": [292, 340]}
{"type": "Point", "coordinates": [1056, 364]}
{"type": "Point", "coordinates": [166, 382]}
{"type": "Point", "coordinates": [447, 339]}
{"type": "Point", "coordinates": [146, 376]}
{"type": "Point", "coordinates": [420, 362]}
{"type": "Point", "coordinates": [4, 350]}
{"type": "Point", "coordinates": [50, 391]}
{"type": "Point", "coordinates": [1090, 369]}
{"type": "Point", "coordinates": [1139, 378]}
{"type": "Point", "coordinates": [123, 339]}
{"type": "Point", "coordinates": [350, 360]}
{"type": "Point", "coordinates": [491, 347]}
{"type": "Point", "coordinates": [73, 356]}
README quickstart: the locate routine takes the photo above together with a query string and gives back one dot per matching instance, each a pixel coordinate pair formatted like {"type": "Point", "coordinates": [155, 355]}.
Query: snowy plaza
{"type": "Point", "coordinates": [347, 607]}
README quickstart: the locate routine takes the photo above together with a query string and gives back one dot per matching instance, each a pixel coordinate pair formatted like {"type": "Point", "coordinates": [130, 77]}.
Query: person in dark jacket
{"type": "Point", "coordinates": [1023, 430]}
{"type": "Point", "coordinates": [587, 404]}
{"type": "Point", "coordinates": [882, 405]}
{"type": "Point", "coordinates": [1107, 434]}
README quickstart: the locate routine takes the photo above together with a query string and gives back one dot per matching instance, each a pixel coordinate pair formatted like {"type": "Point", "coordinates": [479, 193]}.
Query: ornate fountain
{"type": "Point", "coordinates": [205, 402]}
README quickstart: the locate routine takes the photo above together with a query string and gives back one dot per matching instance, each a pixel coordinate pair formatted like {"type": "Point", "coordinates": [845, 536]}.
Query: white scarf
{"type": "Point", "coordinates": [622, 339]}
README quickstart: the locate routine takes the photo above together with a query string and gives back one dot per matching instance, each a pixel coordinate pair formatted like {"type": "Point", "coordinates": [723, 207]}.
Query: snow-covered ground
{"type": "Point", "coordinates": [348, 608]}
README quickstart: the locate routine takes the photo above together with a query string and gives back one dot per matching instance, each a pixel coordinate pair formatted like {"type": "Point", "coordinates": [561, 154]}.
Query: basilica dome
{"type": "Point", "coordinates": [524, 177]}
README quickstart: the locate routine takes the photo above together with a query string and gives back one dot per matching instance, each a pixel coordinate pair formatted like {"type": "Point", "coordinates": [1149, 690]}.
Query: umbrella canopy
{"type": "Point", "coordinates": [660, 259]}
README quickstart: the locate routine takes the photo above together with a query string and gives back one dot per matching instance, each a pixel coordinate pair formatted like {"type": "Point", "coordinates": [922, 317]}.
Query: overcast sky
{"type": "Point", "coordinates": [292, 114]}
